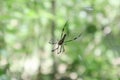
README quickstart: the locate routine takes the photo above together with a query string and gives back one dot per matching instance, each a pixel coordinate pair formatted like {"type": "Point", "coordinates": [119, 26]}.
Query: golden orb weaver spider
{"type": "Point", "coordinates": [61, 42]}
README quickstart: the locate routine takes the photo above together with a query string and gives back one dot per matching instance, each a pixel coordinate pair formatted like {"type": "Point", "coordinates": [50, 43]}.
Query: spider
{"type": "Point", "coordinates": [61, 42]}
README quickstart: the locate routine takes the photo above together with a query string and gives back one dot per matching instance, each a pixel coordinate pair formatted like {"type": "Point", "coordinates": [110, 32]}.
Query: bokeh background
{"type": "Point", "coordinates": [27, 27]}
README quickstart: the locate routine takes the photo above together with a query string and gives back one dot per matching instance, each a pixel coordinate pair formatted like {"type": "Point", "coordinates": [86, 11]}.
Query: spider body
{"type": "Point", "coordinates": [62, 40]}
{"type": "Point", "coordinates": [60, 43]}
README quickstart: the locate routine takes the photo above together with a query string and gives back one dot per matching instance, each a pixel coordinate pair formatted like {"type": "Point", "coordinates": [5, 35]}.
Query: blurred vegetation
{"type": "Point", "coordinates": [27, 26]}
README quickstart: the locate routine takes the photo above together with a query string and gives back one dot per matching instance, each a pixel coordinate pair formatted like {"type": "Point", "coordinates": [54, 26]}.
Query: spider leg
{"type": "Point", "coordinates": [73, 38]}
{"type": "Point", "coordinates": [60, 49]}
{"type": "Point", "coordinates": [52, 42]}
{"type": "Point", "coordinates": [63, 48]}
{"type": "Point", "coordinates": [55, 49]}
{"type": "Point", "coordinates": [64, 28]}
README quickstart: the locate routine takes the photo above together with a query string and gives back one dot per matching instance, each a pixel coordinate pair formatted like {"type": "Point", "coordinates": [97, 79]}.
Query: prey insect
{"type": "Point", "coordinates": [61, 42]}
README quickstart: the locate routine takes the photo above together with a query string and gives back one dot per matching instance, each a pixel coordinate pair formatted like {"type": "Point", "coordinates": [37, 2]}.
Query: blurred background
{"type": "Point", "coordinates": [27, 27]}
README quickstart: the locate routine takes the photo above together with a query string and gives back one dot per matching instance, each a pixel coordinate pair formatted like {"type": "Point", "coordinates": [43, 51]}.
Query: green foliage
{"type": "Point", "coordinates": [26, 28]}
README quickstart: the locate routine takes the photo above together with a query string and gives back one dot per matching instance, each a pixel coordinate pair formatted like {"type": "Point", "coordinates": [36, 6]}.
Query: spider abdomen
{"type": "Point", "coordinates": [62, 40]}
